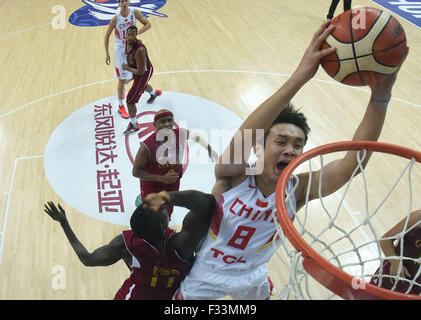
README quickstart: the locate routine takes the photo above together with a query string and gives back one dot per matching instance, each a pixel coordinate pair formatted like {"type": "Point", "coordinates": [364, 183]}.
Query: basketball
{"type": "Point", "coordinates": [368, 42]}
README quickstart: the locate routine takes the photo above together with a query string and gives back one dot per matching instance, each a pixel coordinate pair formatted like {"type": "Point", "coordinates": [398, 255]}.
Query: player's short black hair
{"type": "Point", "coordinates": [132, 28]}
{"type": "Point", "coordinates": [291, 115]}
{"type": "Point", "coordinates": [140, 221]}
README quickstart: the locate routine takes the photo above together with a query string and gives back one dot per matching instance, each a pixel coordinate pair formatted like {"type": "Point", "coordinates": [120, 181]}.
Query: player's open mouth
{"type": "Point", "coordinates": [282, 165]}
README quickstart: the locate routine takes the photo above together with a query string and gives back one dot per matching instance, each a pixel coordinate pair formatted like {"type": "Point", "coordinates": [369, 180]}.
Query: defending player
{"type": "Point", "coordinates": [233, 257]}
{"type": "Point", "coordinates": [124, 18]}
{"type": "Point", "coordinates": [157, 256]}
{"type": "Point", "coordinates": [141, 68]}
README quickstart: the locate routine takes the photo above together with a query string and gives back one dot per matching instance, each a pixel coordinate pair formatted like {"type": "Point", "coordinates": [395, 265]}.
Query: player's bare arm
{"type": "Point", "coordinates": [338, 172]}
{"type": "Point", "coordinates": [201, 139]}
{"type": "Point", "coordinates": [140, 168]}
{"type": "Point", "coordinates": [103, 256]}
{"type": "Point", "coordinates": [388, 247]}
{"type": "Point", "coordinates": [110, 29]}
{"type": "Point", "coordinates": [140, 63]}
{"type": "Point", "coordinates": [230, 174]}
{"type": "Point", "coordinates": [196, 222]}
{"type": "Point", "coordinates": [142, 19]}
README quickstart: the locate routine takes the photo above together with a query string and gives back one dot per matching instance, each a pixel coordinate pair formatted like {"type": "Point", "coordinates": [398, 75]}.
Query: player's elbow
{"type": "Point", "coordinates": [87, 260]}
{"type": "Point", "coordinates": [210, 204]}
{"type": "Point", "coordinates": [138, 173]}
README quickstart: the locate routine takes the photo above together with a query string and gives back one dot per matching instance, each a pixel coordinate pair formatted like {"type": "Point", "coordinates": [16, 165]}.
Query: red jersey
{"type": "Point", "coordinates": [174, 156]}
{"type": "Point", "coordinates": [153, 276]}
{"type": "Point", "coordinates": [131, 57]}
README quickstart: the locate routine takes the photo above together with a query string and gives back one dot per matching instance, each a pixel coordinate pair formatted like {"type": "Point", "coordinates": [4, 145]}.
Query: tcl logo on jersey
{"type": "Point", "coordinates": [100, 12]}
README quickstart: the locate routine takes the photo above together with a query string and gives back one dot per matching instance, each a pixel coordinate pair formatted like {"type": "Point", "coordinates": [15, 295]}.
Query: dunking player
{"type": "Point", "coordinates": [162, 172]}
{"type": "Point", "coordinates": [410, 244]}
{"type": "Point", "coordinates": [142, 69]}
{"type": "Point", "coordinates": [124, 18]}
{"type": "Point", "coordinates": [233, 258]}
{"type": "Point", "coordinates": [157, 256]}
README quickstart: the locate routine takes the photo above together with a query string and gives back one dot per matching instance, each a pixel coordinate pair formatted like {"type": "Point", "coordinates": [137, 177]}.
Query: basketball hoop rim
{"type": "Point", "coordinates": [293, 235]}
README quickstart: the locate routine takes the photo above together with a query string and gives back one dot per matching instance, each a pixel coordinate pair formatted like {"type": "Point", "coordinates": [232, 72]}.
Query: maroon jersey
{"type": "Point", "coordinates": [153, 276]}
{"type": "Point", "coordinates": [175, 156]}
{"type": "Point", "coordinates": [411, 249]}
{"type": "Point", "coordinates": [131, 57]}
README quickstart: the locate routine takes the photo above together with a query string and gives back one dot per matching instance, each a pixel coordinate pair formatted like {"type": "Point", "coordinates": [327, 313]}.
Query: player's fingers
{"type": "Point", "coordinates": [405, 55]}
{"type": "Point", "coordinates": [49, 205]}
{"type": "Point", "coordinates": [325, 52]}
{"type": "Point", "coordinates": [321, 29]}
{"type": "Point", "coordinates": [406, 273]}
{"type": "Point", "coordinates": [46, 210]}
{"type": "Point", "coordinates": [60, 208]}
{"type": "Point", "coordinates": [322, 37]}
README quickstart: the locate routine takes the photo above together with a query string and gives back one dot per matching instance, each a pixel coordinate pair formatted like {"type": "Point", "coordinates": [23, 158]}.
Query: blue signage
{"type": "Point", "coordinates": [100, 12]}
{"type": "Point", "coordinates": [407, 9]}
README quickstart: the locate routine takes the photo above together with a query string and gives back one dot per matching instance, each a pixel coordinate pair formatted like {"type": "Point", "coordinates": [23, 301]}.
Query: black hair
{"type": "Point", "coordinates": [140, 221]}
{"type": "Point", "coordinates": [132, 28]}
{"type": "Point", "coordinates": [291, 115]}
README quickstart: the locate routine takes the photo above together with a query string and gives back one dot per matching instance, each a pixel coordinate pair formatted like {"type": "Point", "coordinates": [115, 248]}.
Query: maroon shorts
{"type": "Point", "coordinates": [139, 86]}
{"type": "Point", "coordinates": [130, 291]}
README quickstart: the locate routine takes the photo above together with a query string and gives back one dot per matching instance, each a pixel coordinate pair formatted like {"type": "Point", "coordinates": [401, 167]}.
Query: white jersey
{"type": "Point", "coordinates": [241, 232]}
{"type": "Point", "coordinates": [121, 26]}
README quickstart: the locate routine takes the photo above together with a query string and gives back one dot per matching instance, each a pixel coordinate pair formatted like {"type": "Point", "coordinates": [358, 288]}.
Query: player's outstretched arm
{"type": "Point", "coordinates": [263, 116]}
{"type": "Point", "coordinates": [337, 173]}
{"type": "Point", "coordinates": [200, 138]}
{"type": "Point", "coordinates": [103, 256]}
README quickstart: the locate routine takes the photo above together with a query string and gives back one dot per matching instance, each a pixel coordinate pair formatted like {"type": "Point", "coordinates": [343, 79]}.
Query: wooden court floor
{"type": "Point", "coordinates": [234, 53]}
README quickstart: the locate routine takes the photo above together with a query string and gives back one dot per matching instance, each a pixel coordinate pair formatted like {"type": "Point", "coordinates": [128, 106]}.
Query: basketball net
{"type": "Point", "coordinates": [331, 249]}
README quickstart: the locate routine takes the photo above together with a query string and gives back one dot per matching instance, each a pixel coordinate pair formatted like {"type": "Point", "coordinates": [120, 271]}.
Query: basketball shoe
{"type": "Point", "coordinates": [131, 128]}
{"type": "Point", "coordinates": [122, 111]}
{"type": "Point", "coordinates": [153, 96]}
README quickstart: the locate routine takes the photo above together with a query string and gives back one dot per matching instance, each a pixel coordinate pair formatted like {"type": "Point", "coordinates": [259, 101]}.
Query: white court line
{"type": "Point", "coordinates": [197, 71]}
{"type": "Point", "coordinates": [9, 196]}
{"type": "Point", "coordinates": [51, 96]}
{"type": "Point", "coordinates": [22, 31]}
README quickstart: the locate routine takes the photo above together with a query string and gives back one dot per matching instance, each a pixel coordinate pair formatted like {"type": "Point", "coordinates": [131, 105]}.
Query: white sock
{"type": "Point", "coordinates": [121, 102]}
{"type": "Point", "coordinates": [133, 121]}
{"type": "Point", "coordinates": [152, 93]}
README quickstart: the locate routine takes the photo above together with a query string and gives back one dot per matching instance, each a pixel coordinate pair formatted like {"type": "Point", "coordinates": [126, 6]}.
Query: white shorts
{"type": "Point", "coordinates": [204, 284]}
{"type": "Point", "coordinates": [120, 58]}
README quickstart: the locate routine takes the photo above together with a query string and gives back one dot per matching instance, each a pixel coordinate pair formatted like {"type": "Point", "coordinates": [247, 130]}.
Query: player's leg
{"type": "Point", "coordinates": [123, 77]}
{"type": "Point", "coordinates": [139, 86]}
{"type": "Point", "coordinates": [347, 5]}
{"type": "Point", "coordinates": [332, 9]}
{"type": "Point", "coordinates": [132, 98]}
{"type": "Point", "coordinates": [154, 93]}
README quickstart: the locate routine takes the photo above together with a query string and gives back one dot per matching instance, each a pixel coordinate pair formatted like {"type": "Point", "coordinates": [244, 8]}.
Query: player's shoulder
{"type": "Point", "coordinates": [113, 20]}
{"type": "Point", "coordinates": [150, 139]}
{"type": "Point", "coordinates": [137, 12]}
